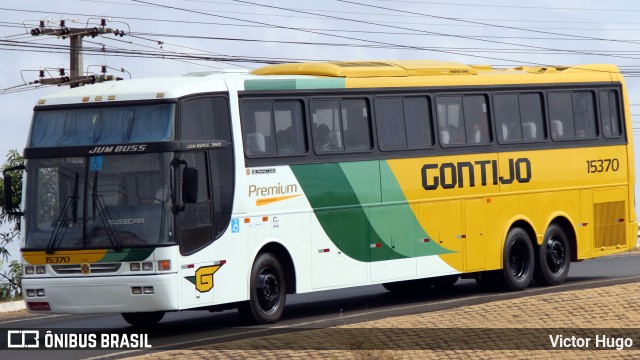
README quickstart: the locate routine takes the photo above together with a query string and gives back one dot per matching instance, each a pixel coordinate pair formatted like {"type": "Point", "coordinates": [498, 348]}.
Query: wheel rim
{"type": "Point", "coordinates": [268, 289]}
{"type": "Point", "coordinates": [556, 255]}
{"type": "Point", "coordinates": [518, 260]}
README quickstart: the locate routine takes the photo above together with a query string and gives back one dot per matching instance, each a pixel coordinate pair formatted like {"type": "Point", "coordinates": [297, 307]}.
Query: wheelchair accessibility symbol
{"type": "Point", "coordinates": [96, 163]}
{"type": "Point", "coordinates": [235, 225]}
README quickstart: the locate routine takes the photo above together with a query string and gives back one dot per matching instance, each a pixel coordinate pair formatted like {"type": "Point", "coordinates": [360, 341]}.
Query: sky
{"type": "Point", "coordinates": [174, 37]}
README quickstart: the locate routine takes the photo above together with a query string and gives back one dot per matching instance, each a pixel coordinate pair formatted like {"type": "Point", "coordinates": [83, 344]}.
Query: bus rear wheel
{"type": "Point", "coordinates": [518, 261]}
{"type": "Point", "coordinates": [143, 319]}
{"type": "Point", "coordinates": [553, 257]}
{"type": "Point", "coordinates": [267, 291]}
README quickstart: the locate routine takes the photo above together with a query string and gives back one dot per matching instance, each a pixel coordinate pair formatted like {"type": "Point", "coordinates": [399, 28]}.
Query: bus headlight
{"type": "Point", "coordinates": [134, 266]}
{"type": "Point", "coordinates": [29, 270]}
{"type": "Point", "coordinates": [147, 266]}
{"type": "Point", "coordinates": [41, 269]}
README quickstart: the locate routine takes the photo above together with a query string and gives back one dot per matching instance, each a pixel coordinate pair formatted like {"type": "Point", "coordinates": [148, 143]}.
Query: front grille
{"type": "Point", "coordinates": [98, 268]}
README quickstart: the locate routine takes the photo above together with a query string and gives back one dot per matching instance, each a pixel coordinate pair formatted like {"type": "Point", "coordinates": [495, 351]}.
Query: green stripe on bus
{"type": "Point", "coordinates": [294, 84]}
{"type": "Point", "coordinates": [346, 201]}
{"type": "Point", "coordinates": [138, 254]}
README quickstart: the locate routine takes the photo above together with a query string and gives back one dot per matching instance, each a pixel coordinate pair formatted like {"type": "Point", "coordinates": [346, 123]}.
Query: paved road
{"type": "Point", "coordinates": [321, 310]}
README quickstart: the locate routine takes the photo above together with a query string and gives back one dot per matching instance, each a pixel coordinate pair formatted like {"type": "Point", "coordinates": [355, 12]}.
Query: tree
{"type": "Point", "coordinates": [10, 281]}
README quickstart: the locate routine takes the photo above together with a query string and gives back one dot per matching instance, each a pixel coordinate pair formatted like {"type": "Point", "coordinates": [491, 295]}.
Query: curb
{"type": "Point", "coordinates": [12, 306]}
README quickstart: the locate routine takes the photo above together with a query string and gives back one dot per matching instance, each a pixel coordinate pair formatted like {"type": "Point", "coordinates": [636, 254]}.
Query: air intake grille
{"type": "Point", "coordinates": [99, 268]}
{"type": "Point", "coordinates": [610, 224]}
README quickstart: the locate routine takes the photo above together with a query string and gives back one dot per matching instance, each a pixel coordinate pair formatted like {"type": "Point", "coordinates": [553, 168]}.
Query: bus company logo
{"type": "Point", "coordinates": [117, 149]}
{"type": "Point", "coordinates": [23, 339]}
{"type": "Point", "coordinates": [464, 174]}
{"type": "Point", "coordinates": [85, 269]}
{"type": "Point", "coordinates": [203, 279]}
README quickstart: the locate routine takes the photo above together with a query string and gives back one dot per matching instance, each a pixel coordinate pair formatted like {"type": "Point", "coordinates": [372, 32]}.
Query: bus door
{"type": "Point", "coordinates": [194, 232]}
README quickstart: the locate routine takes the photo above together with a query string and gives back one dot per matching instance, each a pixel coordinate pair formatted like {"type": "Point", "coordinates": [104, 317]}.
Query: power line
{"type": "Point", "coordinates": [479, 23]}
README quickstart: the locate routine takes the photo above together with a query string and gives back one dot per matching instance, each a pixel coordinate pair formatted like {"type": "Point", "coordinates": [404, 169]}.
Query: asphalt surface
{"type": "Point", "coordinates": [604, 281]}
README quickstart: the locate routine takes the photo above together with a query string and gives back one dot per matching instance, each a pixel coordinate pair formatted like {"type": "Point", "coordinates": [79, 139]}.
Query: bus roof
{"type": "Point", "coordinates": [403, 68]}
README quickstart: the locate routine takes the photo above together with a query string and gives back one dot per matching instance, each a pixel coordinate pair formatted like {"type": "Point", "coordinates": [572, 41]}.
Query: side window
{"type": "Point", "coordinates": [519, 117]}
{"type": "Point", "coordinates": [403, 122]}
{"type": "Point", "coordinates": [584, 113]}
{"type": "Point", "coordinates": [572, 115]}
{"type": "Point", "coordinates": [476, 119]}
{"type": "Point", "coordinates": [610, 114]}
{"type": "Point", "coordinates": [463, 120]}
{"type": "Point", "coordinates": [340, 125]}
{"type": "Point", "coordinates": [200, 121]}
{"type": "Point", "coordinates": [450, 120]}
{"type": "Point", "coordinates": [273, 127]}
{"type": "Point", "coordinates": [291, 137]}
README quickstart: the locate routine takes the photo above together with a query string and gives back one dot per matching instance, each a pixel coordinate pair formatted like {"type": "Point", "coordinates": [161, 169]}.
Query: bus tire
{"type": "Point", "coordinates": [518, 261]}
{"type": "Point", "coordinates": [143, 319]}
{"type": "Point", "coordinates": [267, 291]}
{"type": "Point", "coordinates": [553, 257]}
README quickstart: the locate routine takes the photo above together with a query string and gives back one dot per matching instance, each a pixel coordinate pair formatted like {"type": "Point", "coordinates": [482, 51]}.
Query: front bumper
{"type": "Point", "coordinates": [105, 294]}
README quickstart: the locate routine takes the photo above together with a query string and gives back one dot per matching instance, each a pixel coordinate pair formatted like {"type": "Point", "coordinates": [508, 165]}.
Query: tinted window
{"type": "Point", "coordinates": [519, 117]}
{"type": "Point", "coordinates": [204, 119]}
{"type": "Point", "coordinates": [572, 115]}
{"type": "Point", "coordinates": [340, 125]}
{"type": "Point", "coordinates": [463, 120]}
{"type": "Point", "coordinates": [403, 122]}
{"type": "Point", "coordinates": [273, 127]}
{"type": "Point", "coordinates": [610, 114]}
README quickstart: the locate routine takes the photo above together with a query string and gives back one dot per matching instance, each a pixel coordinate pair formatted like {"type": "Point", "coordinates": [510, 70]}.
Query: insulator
{"type": "Point", "coordinates": [103, 22]}
{"type": "Point", "coordinates": [35, 32]}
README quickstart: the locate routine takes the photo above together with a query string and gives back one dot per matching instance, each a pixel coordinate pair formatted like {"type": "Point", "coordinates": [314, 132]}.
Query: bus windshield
{"type": "Point", "coordinates": [102, 125]}
{"type": "Point", "coordinates": [98, 202]}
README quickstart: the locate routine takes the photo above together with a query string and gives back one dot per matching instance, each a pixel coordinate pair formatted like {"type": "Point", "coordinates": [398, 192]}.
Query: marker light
{"type": "Point", "coordinates": [134, 266]}
{"type": "Point", "coordinates": [164, 265]}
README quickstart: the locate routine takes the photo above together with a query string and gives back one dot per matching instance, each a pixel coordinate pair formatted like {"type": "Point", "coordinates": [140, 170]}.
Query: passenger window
{"type": "Point", "coordinates": [519, 117]}
{"type": "Point", "coordinates": [450, 120]}
{"type": "Point", "coordinates": [463, 120]}
{"type": "Point", "coordinates": [273, 127]}
{"type": "Point", "coordinates": [476, 119]}
{"type": "Point", "coordinates": [340, 125]}
{"type": "Point", "coordinates": [561, 114]}
{"type": "Point", "coordinates": [610, 114]}
{"type": "Point", "coordinates": [572, 115]}
{"type": "Point", "coordinates": [403, 122]}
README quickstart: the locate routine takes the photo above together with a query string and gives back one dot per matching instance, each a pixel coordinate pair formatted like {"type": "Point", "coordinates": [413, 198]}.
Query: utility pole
{"type": "Point", "coordinates": [75, 35]}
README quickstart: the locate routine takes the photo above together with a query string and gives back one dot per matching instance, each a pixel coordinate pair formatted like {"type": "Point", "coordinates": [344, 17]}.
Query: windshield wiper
{"type": "Point", "coordinates": [98, 203]}
{"type": "Point", "coordinates": [68, 213]}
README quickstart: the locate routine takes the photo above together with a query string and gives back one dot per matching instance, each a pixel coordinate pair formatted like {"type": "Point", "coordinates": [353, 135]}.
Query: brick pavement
{"type": "Point", "coordinates": [490, 323]}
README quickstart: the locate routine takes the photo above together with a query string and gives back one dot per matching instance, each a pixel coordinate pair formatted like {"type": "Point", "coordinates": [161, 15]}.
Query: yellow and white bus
{"type": "Point", "coordinates": [224, 190]}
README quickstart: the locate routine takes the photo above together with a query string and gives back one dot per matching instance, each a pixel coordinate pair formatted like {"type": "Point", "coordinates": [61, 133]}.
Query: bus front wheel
{"type": "Point", "coordinates": [267, 291]}
{"type": "Point", "coordinates": [553, 257]}
{"type": "Point", "coordinates": [518, 261]}
{"type": "Point", "coordinates": [143, 319]}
